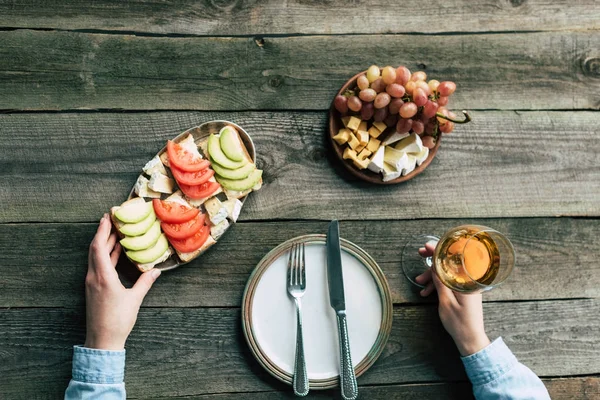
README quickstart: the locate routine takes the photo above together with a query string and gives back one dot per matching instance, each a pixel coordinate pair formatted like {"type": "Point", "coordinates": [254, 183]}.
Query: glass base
{"type": "Point", "coordinates": [413, 264]}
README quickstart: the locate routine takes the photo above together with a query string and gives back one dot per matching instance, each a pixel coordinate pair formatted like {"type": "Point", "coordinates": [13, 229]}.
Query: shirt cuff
{"type": "Point", "coordinates": [98, 366]}
{"type": "Point", "coordinates": [489, 363]}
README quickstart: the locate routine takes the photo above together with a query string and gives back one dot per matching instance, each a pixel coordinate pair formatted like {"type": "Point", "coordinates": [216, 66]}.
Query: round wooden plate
{"type": "Point", "coordinates": [335, 124]}
{"type": "Point", "coordinates": [201, 133]}
{"type": "Point", "coordinates": [268, 315]}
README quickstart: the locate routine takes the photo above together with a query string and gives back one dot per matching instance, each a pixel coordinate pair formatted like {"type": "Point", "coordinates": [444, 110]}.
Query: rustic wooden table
{"type": "Point", "coordinates": [90, 90]}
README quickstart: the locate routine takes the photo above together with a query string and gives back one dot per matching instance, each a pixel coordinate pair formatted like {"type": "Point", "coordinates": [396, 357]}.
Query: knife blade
{"type": "Point", "coordinates": [335, 279]}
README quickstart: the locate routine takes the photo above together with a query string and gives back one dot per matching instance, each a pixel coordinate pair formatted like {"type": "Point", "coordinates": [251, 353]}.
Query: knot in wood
{"type": "Point", "coordinates": [591, 66]}
{"type": "Point", "coordinates": [276, 81]}
{"type": "Point", "coordinates": [517, 3]}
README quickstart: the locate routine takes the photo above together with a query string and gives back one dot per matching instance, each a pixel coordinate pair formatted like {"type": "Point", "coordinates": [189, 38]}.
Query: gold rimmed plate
{"type": "Point", "coordinates": [268, 314]}
{"type": "Point", "coordinates": [200, 134]}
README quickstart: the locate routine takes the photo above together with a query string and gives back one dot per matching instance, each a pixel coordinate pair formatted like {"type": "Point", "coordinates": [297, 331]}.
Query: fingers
{"type": "Point", "coordinates": [144, 283]}
{"type": "Point", "coordinates": [103, 232]}
{"type": "Point", "coordinates": [116, 253]}
{"type": "Point", "coordinates": [428, 289]}
{"type": "Point", "coordinates": [112, 240]}
{"type": "Point", "coordinates": [424, 278]}
{"type": "Point", "coordinates": [444, 293]}
{"type": "Point", "coordinates": [423, 252]}
{"type": "Point", "coordinates": [430, 247]}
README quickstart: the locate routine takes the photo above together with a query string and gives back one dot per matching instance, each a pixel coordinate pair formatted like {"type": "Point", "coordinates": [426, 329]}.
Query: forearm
{"type": "Point", "coordinates": [97, 374]}
{"type": "Point", "coordinates": [496, 374]}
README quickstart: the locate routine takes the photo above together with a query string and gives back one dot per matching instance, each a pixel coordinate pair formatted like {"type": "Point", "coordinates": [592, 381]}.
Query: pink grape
{"type": "Point", "coordinates": [446, 88]}
{"type": "Point", "coordinates": [373, 73]}
{"type": "Point", "coordinates": [408, 110]}
{"type": "Point", "coordinates": [430, 128]}
{"type": "Point", "coordinates": [404, 125]}
{"type": "Point", "coordinates": [388, 75]}
{"type": "Point", "coordinates": [378, 85]}
{"type": "Point", "coordinates": [428, 142]}
{"type": "Point", "coordinates": [367, 111]}
{"type": "Point", "coordinates": [443, 111]}
{"type": "Point", "coordinates": [367, 95]}
{"type": "Point", "coordinates": [341, 103]}
{"type": "Point", "coordinates": [395, 90]}
{"type": "Point", "coordinates": [362, 82]}
{"type": "Point", "coordinates": [433, 85]}
{"type": "Point", "coordinates": [354, 103]}
{"type": "Point", "coordinates": [418, 76]}
{"type": "Point", "coordinates": [382, 100]}
{"type": "Point", "coordinates": [447, 127]}
{"type": "Point", "coordinates": [391, 120]}
{"type": "Point", "coordinates": [380, 114]}
{"type": "Point", "coordinates": [418, 127]}
{"type": "Point", "coordinates": [410, 87]}
{"type": "Point", "coordinates": [423, 85]}
{"type": "Point", "coordinates": [402, 75]}
{"type": "Point", "coordinates": [395, 105]}
{"type": "Point", "coordinates": [430, 108]}
{"type": "Point", "coordinates": [419, 97]}
{"type": "Point", "coordinates": [442, 100]}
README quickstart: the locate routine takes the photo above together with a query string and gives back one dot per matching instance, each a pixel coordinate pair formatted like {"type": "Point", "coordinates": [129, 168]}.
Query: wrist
{"type": "Point", "coordinates": [93, 342]}
{"type": "Point", "coordinates": [472, 345]}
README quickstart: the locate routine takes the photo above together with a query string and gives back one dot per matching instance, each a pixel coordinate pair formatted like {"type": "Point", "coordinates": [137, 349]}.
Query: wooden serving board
{"type": "Point", "coordinates": [200, 134]}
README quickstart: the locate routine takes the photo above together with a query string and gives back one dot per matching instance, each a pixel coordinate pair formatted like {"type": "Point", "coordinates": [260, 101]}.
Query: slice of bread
{"type": "Point", "coordinates": [118, 224]}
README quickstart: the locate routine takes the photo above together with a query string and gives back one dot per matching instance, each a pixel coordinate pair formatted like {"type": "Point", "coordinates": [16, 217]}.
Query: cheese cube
{"type": "Point", "coordinates": [410, 144]}
{"type": "Point", "coordinates": [219, 229]}
{"type": "Point", "coordinates": [349, 154]}
{"type": "Point", "coordinates": [362, 164]}
{"type": "Point", "coordinates": [362, 126]}
{"type": "Point", "coordinates": [394, 137]}
{"type": "Point", "coordinates": [360, 148]}
{"type": "Point", "coordinates": [410, 164]}
{"type": "Point", "coordinates": [353, 142]}
{"type": "Point", "coordinates": [373, 145]}
{"type": "Point", "coordinates": [364, 154]}
{"type": "Point", "coordinates": [422, 156]}
{"type": "Point", "coordinates": [389, 173]}
{"type": "Point", "coordinates": [216, 211]}
{"type": "Point", "coordinates": [233, 206]}
{"type": "Point", "coordinates": [380, 126]}
{"type": "Point", "coordinates": [376, 164]}
{"type": "Point", "coordinates": [363, 137]}
{"type": "Point", "coordinates": [342, 136]}
{"type": "Point", "coordinates": [345, 120]}
{"type": "Point", "coordinates": [374, 132]}
{"type": "Point", "coordinates": [155, 165]}
{"type": "Point", "coordinates": [395, 158]}
{"type": "Point", "coordinates": [161, 183]}
{"type": "Point", "coordinates": [353, 124]}
{"type": "Point", "coordinates": [141, 188]}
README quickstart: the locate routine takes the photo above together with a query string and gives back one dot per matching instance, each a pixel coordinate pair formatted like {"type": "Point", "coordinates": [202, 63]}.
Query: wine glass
{"type": "Point", "coordinates": [467, 258]}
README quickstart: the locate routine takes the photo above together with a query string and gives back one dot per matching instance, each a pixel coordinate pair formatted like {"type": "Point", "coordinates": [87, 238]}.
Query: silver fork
{"type": "Point", "coordinates": [296, 286]}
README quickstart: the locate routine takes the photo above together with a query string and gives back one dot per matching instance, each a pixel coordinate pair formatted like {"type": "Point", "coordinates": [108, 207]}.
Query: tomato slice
{"type": "Point", "coordinates": [192, 178]}
{"type": "Point", "coordinates": [185, 229]}
{"type": "Point", "coordinates": [192, 243]}
{"type": "Point", "coordinates": [199, 191]}
{"type": "Point", "coordinates": [172, 212]}
{"type": "Point", "coordinates": [183, 159]}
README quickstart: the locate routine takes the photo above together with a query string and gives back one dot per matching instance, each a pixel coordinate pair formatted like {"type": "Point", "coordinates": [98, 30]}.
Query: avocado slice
{"type": "Point", "coordinates": [144, 241]}
{"type": "Point", "coordinates": [230, 143]}
{"type": "Point", "coordinates": [242, 184]}
{"type": "Point", "coordinates": [217, 155]}
{"type": "Point", "coordinates": [235, 174]}
{"type": "Point", "coordinates": [152, 253]}
{"type": "Point", "coordinates": [139, 228]}
{"type": "Point", "coordinates": [134, 212]}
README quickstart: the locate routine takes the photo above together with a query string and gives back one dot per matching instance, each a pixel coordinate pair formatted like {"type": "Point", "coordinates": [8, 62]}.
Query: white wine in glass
{"type": "Point", "coordinates": [467, 258]}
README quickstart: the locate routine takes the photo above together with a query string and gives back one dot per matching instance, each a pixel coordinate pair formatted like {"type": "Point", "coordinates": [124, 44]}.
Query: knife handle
{"type": "Point", "coordinates": [300, 380]}
{"type": "Point", "coordinates": [348, 383]}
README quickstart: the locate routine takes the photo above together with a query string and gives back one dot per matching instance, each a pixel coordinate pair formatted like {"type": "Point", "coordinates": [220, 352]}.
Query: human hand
{"type": "Point", "coordinates": [111, 308]}
{"type": "Point", "coordinates": [461, 314]}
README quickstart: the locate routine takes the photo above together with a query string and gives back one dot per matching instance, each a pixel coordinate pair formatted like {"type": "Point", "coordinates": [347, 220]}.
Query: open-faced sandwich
{"type": "Point", "coordinates": [186, 199]}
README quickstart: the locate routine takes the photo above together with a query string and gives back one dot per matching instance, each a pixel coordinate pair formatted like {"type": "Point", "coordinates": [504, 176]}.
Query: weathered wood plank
{"type": "Point", "coordinates": [291, 17]}
{"type": "Point", "coordinates": [74, 167]}
{"type": "Point", "coordinates": [65, 70]}
{"type": "Point", "coordinates": [185, 352]}
{"type": "Point", "coordinates": [559, 389]}
{"type": "Point", "coordinates": [556, 258]}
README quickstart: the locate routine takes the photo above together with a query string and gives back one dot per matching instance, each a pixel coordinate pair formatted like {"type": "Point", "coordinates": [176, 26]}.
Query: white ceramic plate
{"type": "Point", "coordinates": [270, 320]}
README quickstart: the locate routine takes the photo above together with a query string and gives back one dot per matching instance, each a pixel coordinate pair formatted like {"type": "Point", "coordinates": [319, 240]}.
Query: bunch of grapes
{"type": "Point", "coordinates": [404, 99]}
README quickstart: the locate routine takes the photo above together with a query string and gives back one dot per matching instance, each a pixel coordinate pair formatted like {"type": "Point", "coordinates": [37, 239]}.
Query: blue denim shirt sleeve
{"type": "Point", "coordinates": [496, 374]}
{"type": "Point", "coordinates": [97, 374]}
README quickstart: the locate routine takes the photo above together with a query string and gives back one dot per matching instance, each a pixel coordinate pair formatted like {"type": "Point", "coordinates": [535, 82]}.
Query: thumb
{"type": "Point", "coordinates": [145, 282]}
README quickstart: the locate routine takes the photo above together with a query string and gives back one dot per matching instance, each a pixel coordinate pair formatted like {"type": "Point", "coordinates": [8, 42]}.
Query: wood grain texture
{"type": "Point", "coordinates": [74, 167]}
{"type": "Point", "coordinates": [556, 259]}
{"type": "Point", "coordinates": [183, 352]}
{"type": "Point", "coordinates": [239, 17]}
{"type": "Point", "coordinates": [66, 70]}
{"type": "Point", "coordinates": [559, 389]}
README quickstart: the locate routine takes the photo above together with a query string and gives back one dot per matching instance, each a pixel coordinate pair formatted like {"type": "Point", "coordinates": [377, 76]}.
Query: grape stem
{"type": "Point", "coordinates": [467, 117]}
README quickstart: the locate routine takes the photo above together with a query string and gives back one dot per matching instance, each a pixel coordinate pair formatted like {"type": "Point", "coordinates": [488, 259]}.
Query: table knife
{"type": "Point", "coordinates": [335, 278]}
